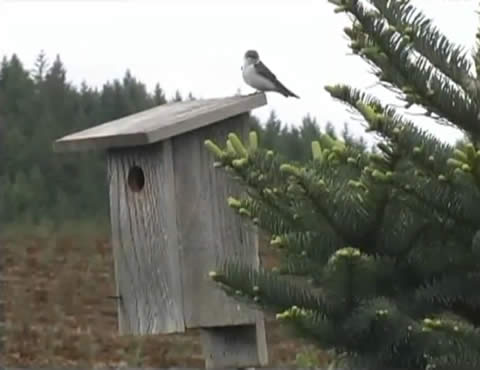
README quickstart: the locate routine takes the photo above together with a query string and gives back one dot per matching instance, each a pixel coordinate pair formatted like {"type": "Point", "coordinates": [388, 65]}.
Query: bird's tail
{"type": "Point", "coordinates": [292, 94]}
{"type": "Point", "coordinates": [285, 92]}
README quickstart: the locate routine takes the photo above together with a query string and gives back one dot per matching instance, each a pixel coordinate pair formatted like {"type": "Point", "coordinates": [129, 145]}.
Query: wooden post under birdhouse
{"type": "Point", "coordinates": [171, 224]}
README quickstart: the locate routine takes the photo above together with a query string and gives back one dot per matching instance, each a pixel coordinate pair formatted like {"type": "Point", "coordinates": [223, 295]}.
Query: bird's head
{"type": "Point", "coordinates": [251, 56]}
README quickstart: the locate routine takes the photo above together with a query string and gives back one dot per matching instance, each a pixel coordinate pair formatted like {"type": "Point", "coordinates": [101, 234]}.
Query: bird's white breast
{"type": "Point", "coordinates": [252, 78]}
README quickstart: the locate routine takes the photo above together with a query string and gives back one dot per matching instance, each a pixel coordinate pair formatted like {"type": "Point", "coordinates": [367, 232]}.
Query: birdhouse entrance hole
{"type": "Point", "coordinates": [136, 179]}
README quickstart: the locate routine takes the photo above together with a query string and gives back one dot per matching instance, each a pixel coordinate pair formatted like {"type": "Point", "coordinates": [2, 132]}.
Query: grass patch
{"type": "Point", "coordinates": [56, 280]}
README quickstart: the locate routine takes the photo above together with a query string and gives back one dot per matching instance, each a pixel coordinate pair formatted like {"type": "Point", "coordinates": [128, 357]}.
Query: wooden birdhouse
{"type": "Point", "coordinates": [171, 224]}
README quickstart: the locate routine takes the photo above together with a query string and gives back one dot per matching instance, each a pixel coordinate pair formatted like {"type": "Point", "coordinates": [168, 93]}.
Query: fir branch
{"type": "Point", "coordinates": [415, 237]}
{"type": "Point", "coordinates": [426, 87]}
{"type": "Point", "coordinates": [256, 168]}
{"type": "Point", "coordinates": [450, 290]}
{"type": "Point", "coordinates": [314, 189]}
{"type": "Point", "coordinates": [313, 324]}
{"type": "Point", "coordinates": [427, 40]}
{"type": "Point", "coordinates": [446, 199]}
{"type": "Point", "coordinates": [272, 291]}
{"type": "Point", "coordinates": [409, 141]}
{"type": "Point", "coordinates": [315, 245]}
{"type": "Point", "coordinates": [300, 266]}
{"type": "Point", "coordinates": [451, 334]}
{"type": "Point", "coordinates": [431, 259]}
{"type": "Point", "coordinates": [263, 214]}
{"type": "Point", "coordinates": [374, 318]}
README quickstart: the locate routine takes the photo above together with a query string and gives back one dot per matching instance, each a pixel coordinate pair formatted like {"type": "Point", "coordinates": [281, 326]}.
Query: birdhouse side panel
{"type": "Point", "coordinates": [209, 231]}
{"type": "Point", "coordinates": [146, 256]}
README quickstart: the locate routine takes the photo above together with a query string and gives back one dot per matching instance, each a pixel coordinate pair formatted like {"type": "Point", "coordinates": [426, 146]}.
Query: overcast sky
{"type": "Point", "coordinates": [198, 45]}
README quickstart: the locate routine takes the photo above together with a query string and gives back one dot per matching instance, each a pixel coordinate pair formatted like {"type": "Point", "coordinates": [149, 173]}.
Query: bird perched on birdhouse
{"type": "Point", "coordinates": [257, 75]}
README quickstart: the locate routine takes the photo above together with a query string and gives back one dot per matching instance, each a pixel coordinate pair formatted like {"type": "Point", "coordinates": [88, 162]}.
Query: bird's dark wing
{"type": "Point", "coordinates": [263, 70]}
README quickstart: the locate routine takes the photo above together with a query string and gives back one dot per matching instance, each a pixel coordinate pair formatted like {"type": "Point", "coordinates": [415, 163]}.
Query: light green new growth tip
{"type": "Point", "coordinates": [379, 175]}
{"type": "Point", "coordinates": [348, 252]}
{"type": "Point", "coordinates": [291, 169]}
{"type": "Point", "coordinates": [466, 168]}
{"type": "Point", "coordinates": [338, 148]}
{"type": "Point", "coordinates": [252, 141]}
{"type": "Point", "coordinates": [234, 203]}
{"type": "Point", "coordinates": [244, 212]}
{"type": "Point", "coordinates": [237, 145]}
{"type": "Point", "coordinates": [470, 151]}
{"type": "Point", "coordinates": [452, 162]}
{"type": "Point", "coordinates": [316, 150]}
{"type": "Point", "coordinates": [332, 156]}
{"type": "Point", "coordinates": [230, 148]}
{"type": "Point", "coordinates": [239, 163]}
{"type": "Point", "coordinates": [293, 312]}
{"type": "Point", "coordinates": [213, 148]}
{"type": "Point", "coordinates": [331, 89]}
{"type": "Point", "coordinates": [461, 155]}
{"type": "Point", "coordinates": [277, 241]}
{"type": "Point", "coordinates": [367, 111]}
{"type": "Point", "coordinates": [327, 141]}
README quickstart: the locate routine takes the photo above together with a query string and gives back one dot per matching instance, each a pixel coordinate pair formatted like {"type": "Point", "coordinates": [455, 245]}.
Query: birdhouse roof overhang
{"type": "Point", "coordinates": [159, 123]}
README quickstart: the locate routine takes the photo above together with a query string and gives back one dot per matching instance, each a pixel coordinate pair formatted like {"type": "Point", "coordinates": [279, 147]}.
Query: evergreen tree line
{"type": "Point", "coordinates": [40, 105]}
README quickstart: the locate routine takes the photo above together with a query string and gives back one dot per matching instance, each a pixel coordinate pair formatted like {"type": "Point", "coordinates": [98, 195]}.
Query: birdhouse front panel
{"type": "Point", "coordinates": [146, 253]}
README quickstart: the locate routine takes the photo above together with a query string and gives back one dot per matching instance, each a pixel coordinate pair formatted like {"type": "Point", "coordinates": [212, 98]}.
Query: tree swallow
{"type": "Point", "coordinates": [257, 75]}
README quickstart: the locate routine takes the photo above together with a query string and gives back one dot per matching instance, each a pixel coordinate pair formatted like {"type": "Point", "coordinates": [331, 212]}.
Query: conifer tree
{"type": "Point", "coordinates": [158, 95]}
{"type": "Point", "coordinates": [386, 245]}
{"type": "Point", "coordinates": [41, 65]}
{"type": "Point", "coordinates": [36, 108]}
{"type": "Point", "coordinates": [178, 96]}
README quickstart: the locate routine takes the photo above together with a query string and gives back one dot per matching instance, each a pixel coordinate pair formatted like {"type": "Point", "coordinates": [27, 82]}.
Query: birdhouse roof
{"type": "Point", "coordinates": [159, 123]}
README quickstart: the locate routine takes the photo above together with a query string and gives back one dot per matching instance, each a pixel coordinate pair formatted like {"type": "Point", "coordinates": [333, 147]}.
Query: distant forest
{"type": "Point", "coordinates": [40, 105]}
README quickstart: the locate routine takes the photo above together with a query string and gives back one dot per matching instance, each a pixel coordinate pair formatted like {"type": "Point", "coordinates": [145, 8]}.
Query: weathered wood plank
{"type": "Point", "coordinates": [209, 231]}
{"type": "Point", "coordinates": [235, 346]}
{"type": "Point", "coordinates": [144, 241]}
{"type": "Point", "coordinates": [159, 123]}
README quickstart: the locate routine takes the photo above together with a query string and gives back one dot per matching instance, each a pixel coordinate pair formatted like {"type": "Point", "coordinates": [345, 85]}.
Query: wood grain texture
{"type": "Point", "coordinates": [159, 123]}
{"type": "Point", "coordinates": [147, 264]}
{"type": "Point", "coordinates": [209, 230]}
{"type": "Point", "coordinates": [235, 346]}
